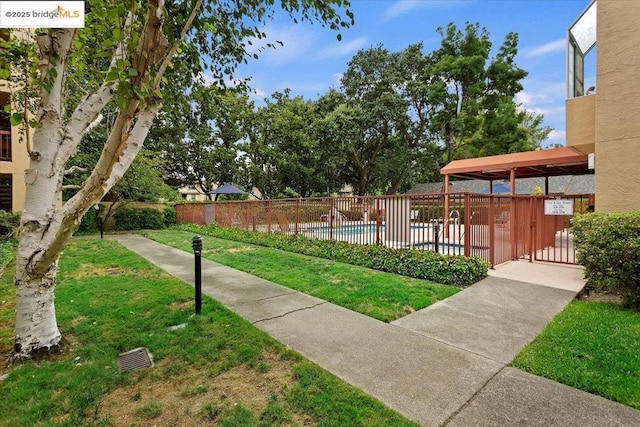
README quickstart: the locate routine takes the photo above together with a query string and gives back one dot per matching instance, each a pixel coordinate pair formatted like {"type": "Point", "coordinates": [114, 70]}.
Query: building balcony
{"type": "Point", "coordinates": [581, 123]}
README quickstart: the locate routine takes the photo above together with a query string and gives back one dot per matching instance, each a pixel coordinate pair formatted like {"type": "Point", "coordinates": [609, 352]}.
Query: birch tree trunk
{"type": "Point", "coordinates": [45, 228]}
{"type": "Point", "coordinates": [140, 57]}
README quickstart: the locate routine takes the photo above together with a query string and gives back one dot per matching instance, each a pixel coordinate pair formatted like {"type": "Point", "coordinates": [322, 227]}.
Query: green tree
{"type": "Point", "coordinates": [202, 136]}
{"type": "Point", "coordinates": [381, 119]}
{"type": "Point", "coordinates": [122, 57]}
{"type": "Point", "coordinates": [369, 120]}
{"type": "Point", "coordinates": [283, 147]}
{"type": "Point", "coordinates": [474, 95]}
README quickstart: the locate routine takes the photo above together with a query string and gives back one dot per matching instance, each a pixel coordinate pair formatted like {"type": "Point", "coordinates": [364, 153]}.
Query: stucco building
{"type": "Point", "coordinates": [14, 159]}
{"type": "Point", "coordinates": [604, 121]}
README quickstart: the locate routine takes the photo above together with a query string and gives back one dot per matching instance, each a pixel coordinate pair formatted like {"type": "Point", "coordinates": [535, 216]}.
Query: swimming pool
{"type": "Point", "coordinates": [420, 237]}
{"type": "Point", "coordinates": [357, 229]}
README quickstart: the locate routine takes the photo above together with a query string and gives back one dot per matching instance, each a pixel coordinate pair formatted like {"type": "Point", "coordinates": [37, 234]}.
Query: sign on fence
{"type": "Point", "coordinates": [558, 207]}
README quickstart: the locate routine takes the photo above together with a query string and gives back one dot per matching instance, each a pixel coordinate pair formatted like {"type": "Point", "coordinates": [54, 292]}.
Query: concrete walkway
{"type": "Point", "coordinates": [443, 365]}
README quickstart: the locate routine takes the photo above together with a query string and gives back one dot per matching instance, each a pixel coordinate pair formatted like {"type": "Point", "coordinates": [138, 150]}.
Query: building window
{"type": "Point", "coordinates": [5, 137]}
{"type": "Point", "coordinates": [581, 40]}
{"type": "Point", "coordinates": [6, 199]}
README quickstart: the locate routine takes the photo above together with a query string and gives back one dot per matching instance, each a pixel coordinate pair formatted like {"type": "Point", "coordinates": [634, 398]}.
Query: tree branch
{"type": "Point", "coordinates": [74, 169]}
{"type": "Point", "coordinates": [70, 187]}
{"type": "Point", "coordinates": [87, 114]}
{"type": "Point", "coordinates": [55, 44]}
{"type": "Point", "coordinates": [176, 44]}
{"type": "Point", "coordinates": [134, 143]}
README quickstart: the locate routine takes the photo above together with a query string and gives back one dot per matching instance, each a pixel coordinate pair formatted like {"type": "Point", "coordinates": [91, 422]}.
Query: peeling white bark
{"type": "Point", "coordinates": [45, 228]}
{"type": "Point", "coordinates": [35, 312]}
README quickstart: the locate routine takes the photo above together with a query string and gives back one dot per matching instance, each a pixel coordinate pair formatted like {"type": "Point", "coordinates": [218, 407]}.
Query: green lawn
{"type": "Point", "coordinates": [592, 346]}
{"type": "Point", "coordinates": [384, 296]}
{"type": "Point", "coordinates": [217, 368]}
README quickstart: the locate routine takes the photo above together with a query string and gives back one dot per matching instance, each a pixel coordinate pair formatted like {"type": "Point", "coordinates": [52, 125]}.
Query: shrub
{"type": "Point", "coordinates": [6, 253]}
{"type": "Point", "coordinates": [447, 269]}
{"type": "Point", "coordinates": [9, 223]}
{"type": "Point", "coordinates": [89, 222]}
{"type": "Point", "coordinates": [139, 219]}
{"type": "Point", "coordinates": [169, 215]}
{"type": "Point", "coordinates": [608, 246]}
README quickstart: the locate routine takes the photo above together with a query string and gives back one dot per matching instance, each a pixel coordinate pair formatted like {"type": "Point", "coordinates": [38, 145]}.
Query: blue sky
{"type": "Point", "coordinates": [312, 59]}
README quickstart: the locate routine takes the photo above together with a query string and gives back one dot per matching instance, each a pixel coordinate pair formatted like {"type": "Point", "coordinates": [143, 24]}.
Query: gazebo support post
{"type": "Point", "coordinates": [546, 185]}
{"type": "Point", "coordinates": [512, 213]}
{"type": "Point", "coordinates": [445, 220]}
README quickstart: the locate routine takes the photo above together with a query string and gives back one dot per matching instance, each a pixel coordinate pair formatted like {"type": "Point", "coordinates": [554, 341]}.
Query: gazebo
{"type": "Point", "coordinates": [540, 163]}
{"type": "Point", "coordinates": [509, 167]}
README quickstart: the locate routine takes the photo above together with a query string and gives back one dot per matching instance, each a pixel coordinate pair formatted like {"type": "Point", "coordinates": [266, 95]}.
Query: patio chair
{"type": "Point", "coordinates": [285, 225]}
{"type": "Point", "coordinates": [283, 222]}
{"type": "Point", "coordinates": [502, 220]}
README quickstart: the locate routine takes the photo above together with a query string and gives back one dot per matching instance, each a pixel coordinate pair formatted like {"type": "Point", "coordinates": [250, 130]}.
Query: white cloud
{"type": "Point", "coordinates": [548, 99]}
{"type": "Point", "coordinates": [537, 94]}
{"type": "Point", "coordinates": [404, 6]}
{"type": "Point", "coordinates": [525, 98]}
{"type": "Point", "coordinates": [227, 81]}
{"type": "Point", "coordinates": [555, 135]}
{"type": "Point", "coordinates": [258, 93]}
{"type": "Point", "coordinates": [342, 48]}
{"type": "Point", "coordinates": [555, 46]}
{"type": "Point", "coordinates": [291, 42]}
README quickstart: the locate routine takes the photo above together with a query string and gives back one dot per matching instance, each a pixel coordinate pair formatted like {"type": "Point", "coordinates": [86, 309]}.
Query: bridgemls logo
{"type": "Point", "coordinates": [68, 13]}
{"type": "Point", "coordinates": [38, 14]}
{"type": "Point", "coordinates": [63, 13]}
{"type": "Point", "coordinates": [58, 12]}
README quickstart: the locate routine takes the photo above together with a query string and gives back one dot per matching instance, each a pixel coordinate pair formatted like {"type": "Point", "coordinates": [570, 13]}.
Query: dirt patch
{"type": "Point", "coordinates": [590, 294]}
{"type": "Point", "coordinates": [91, 270]}
{"type": "Point", "coordinates": [180, 305]}
{"type": "Point", "coordinates": [66, 347]}
{"type": "Point", "coordinates": [195, 399]}
{"type": "Point", "coordinates": [240, 249]}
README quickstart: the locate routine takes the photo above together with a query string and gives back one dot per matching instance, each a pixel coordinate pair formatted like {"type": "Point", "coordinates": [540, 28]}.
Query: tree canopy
{"type": "Point", "coordinates": [395, 119]}
{"type": "Point", "coordinates": [121, 62]}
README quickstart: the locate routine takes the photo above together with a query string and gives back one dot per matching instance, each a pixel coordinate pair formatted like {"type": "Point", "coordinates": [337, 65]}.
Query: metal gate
{"type": "Point", "coordinates": [551, 226]}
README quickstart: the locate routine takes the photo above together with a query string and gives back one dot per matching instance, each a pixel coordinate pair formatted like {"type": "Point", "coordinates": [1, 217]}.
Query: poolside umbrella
{"type": "Point", "coordinates": [226, 189]}
{"type": "Point", "coordinates": [497, 189]}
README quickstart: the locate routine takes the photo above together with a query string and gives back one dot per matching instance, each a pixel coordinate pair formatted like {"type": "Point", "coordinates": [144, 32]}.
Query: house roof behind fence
{"type": "Point", "coordinates": [566, 184]}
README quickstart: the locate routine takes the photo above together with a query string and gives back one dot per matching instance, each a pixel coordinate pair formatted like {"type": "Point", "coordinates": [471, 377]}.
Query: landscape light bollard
{"type": "Point", "coordinates": [436, 235]}
{"type": "Point", "coordinates": [99, 220]}
{"type": "Point", "coordinates": [196, 243]}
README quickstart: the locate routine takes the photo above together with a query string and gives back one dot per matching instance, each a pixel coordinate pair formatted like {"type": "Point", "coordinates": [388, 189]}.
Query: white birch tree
{"type": "Point", "coordinates": [140, 41]}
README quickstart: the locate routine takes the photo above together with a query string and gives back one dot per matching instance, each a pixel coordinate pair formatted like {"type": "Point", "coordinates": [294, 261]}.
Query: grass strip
{"type": "Point", "coordinates": [384, 296]}
{"type": "Point", "coordinates": [591, 346]}
{"type": "Point", "coordinates": [420, 264]}
{"type": "Point", "coordinates": [217, 368]}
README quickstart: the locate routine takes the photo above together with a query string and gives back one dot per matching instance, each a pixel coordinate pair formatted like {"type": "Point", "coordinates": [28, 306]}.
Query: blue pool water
{"type": "Point", "coordinates": [357, 229]}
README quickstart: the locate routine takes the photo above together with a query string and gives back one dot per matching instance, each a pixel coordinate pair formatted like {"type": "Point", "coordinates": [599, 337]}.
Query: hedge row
{"type": "Point", "coordinates": [144, 218]}
{"type": "Point", "coordinates": [608, 246]}
{"type": "Point", "coordinates": [451, 270]}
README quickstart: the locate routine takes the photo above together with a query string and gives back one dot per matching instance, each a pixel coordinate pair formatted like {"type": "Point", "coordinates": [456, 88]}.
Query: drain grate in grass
{"type": "Point", "coordinates": [137, 358]}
